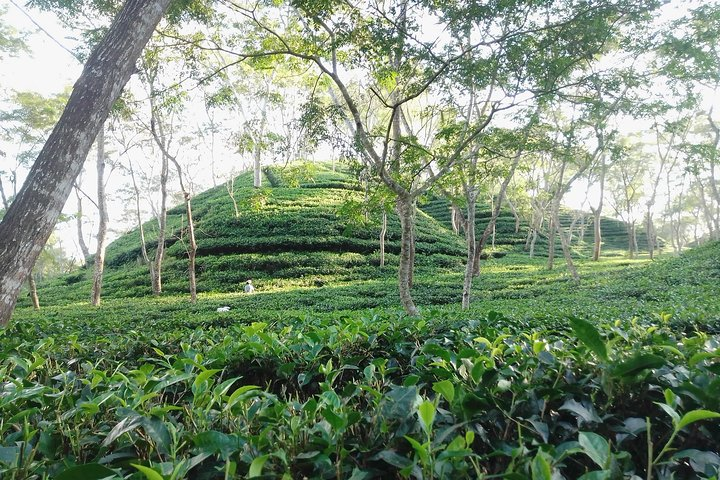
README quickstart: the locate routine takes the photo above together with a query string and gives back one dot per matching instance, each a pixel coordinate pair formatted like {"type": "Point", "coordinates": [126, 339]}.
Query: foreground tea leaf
{"type": "Point", "coordinates": [637, 364]}
{"type": "Point", "coordinates": [149, 473]}
{"type": "Point", "coordinates": [257, 465]}
{"type": "Point", "coordinates": [595, 447]}
{"type": "Point", "coordinates": [426, 411]}
{"type": "Point", "coordinates": [695, 416]}
{"type": "Point", "coordinates": [89, 471]}
{"type": "Point", "coordinates": [590, 336]}
{"type": "Point", "coordinates": [540, 468]}
{"type": "Point", "coordinates": [446, 389]}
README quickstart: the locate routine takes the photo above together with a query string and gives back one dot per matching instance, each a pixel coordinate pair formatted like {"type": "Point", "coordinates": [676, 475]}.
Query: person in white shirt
{"type": "Point", "coordinates": [249, 287]}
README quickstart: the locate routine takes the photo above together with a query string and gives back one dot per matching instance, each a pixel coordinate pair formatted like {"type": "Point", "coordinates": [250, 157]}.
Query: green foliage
{"type": "Point", "coordinates": [313, 395]}
{"type": "Point", "coordinates": [318, 375]}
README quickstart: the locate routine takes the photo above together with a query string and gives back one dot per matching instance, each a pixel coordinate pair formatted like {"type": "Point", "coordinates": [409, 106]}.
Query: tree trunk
{"type": "Point", "coordinates": [490, 228]}
{"type": "Point", "coordinates": [257, 179]}
{"type": "Point", "coordinates": [79, 219]}
{"type": "Point", "coordinates": [138, 217]}
{"type": "Point", "coordinates": [632, 240]}
{"type": "Point", "coordinates": [33, 291]}
{"type": "Point", "coordinates": [406, 210]}
{"type": "Point", "coordinates": [515, 215]}
{"type": "Point", "coordinates": [532, 242]}
{"type": "Point", "coordinates": [383, 233]}
{"type": "Point", "coordinates": [597, 230]}
{"type": "Point", "coordinates": [99, 264]}
{"type": "Point", "coordinates": [565, 248]}
{"type": "Point", "coordinates": [649, 233]}
{"type": "Point", "coordinates": [471, 245]}
{"type": "Point", "coordinates": [192, 250]}
{"type": "Point", "coordinates": [230, 187]}
{"type": "Point", "coordinates": [157, 130]}
{"type": "Point", "coordinates": [32, 216]}
{"type": "Point", "coordinates": [551, 240]}
{"type": "Point", "coordinates": [456, 219]}
{"type": "Point", "coordinates": [3, 196]}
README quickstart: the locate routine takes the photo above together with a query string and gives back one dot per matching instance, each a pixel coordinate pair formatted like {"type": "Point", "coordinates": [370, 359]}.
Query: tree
{"type": "Point", "coordinates": [12, 42]}
{"type": "Point", "coordinates": [32, 216]}
{"type": "Point", "coordinates": [101, 238]}
{"type": "Point", "coordinates": [625, 181]}
{"type": "Point", "coordinates": [26, 125]}
{"type": "Point", "coordinates": [525, 46]}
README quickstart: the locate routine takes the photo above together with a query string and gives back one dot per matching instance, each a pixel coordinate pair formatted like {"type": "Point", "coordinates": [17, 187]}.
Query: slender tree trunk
{"type": "Point", "coordinates": [411, 278]}
{"type": "Point", "coordinates": [565, 249]}
{"type": "Point", "coordinates": [257, 179]}
{"type": "Point", "coordinates": [649, 233]}
{"type": "Point", "coordinates": [33, 291]}
{"type": "Point", "coordinates": [99, 264]}
{"type": "Point", "coordinates": [406, 210]}
{"type": "Point", "coordinates": [528, 237]}
{"type": "Point", "coordinates": [710, 220]}
{"type": "Point", "coordinates": [470, 241]}
{"type": "Point", "coordinates": [32, 216]}
{"type": "Point", "coordinates": [138, 218]}
{"type": "Point", "coordinates": [551, 240]}
{"type": "Point", "coordinates": [532, 243]}
{"type": "Point", "coordinates": [456, 219]}
{"type": "Point", "coordinates": [515, 215]}
{"type": "Point", "coordinates": [490, 228]}
{"type": "Point", "coordinates": [383, 233]}
{"type": "Point", "coordinates": [192, 250]}
{"type": "Point", "coordinates": [161, 141]}
{"type": "Point", "coordinates": [230, 187]}
{"type": "Point", "coordinates": [156, 268]}
{"type": "Point", "coordinates": [79, 220]}
{"type": "Point", "coordinates": [3, 196]}
{"type": "Point", "coordinates": [632, 239]}
{"type": "Point", "coordinates": [597, 233]}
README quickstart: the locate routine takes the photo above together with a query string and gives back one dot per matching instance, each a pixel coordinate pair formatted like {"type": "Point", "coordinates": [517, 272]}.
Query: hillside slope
{"type": "Point", "coordinates": [281, 236]}
{"type": "Point", "coordinates": [301, 230]}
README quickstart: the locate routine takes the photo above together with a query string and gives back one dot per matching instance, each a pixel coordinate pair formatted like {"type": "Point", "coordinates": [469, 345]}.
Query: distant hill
{"type": "Point", "coordinates": [282, 235]}
{"type": "Point", "coordinates": [298, 230]}
{"type": "Point", "coordinates": [614, 232]}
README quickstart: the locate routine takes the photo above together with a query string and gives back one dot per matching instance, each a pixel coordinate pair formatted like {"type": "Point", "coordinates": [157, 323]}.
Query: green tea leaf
{"type": "Point", "coordinates": [126, 425]}
{"type": "Point", "coordinates": [333, 419]}
{"type": "Point", "coordinates": [590, 336]}
{"type": "Point", "coordinates": [670, 411]}
{"type": "Point", "coordinates": [637, 364]}
{"type": "Point", "coordinates": [204, 376]}
{"type": "Point", "coordinates": [426, 411]}
{"type": "Point", "coordinates": [586, 413]}
{"type": "Point", "coordinates": [394, 459]}
{"type": "Point", "coordinates": [88, 471]}
{"type": "Point", "coordinates": [695, 416]}
{"type": "Point", "coordinates": [595, 447]}
{"type": "Point", "coordinates": [149, 473]}
{"type": "Point", "coordinates": [257, 465]}
{"type": "Point", "coordinates": [540, 468]}
{"type": "Point", "coordinates": [420, 448]}
{"type": "Point", "coordinates": [446, 389]}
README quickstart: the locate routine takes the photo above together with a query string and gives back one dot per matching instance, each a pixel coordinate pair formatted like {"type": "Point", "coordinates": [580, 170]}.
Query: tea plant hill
{"type": "Point", "coordinates": [298, 233]}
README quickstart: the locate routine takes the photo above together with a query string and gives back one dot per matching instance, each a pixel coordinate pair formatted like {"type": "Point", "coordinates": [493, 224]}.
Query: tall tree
{"type": "Point", "coordinates": [625, 182]}
{"type": "Point", "coordinates": [101, 238]}
{"type": "Point", "coordinates": [32, 216]}
{"type": "Point", "coordinates": [528, 46]}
